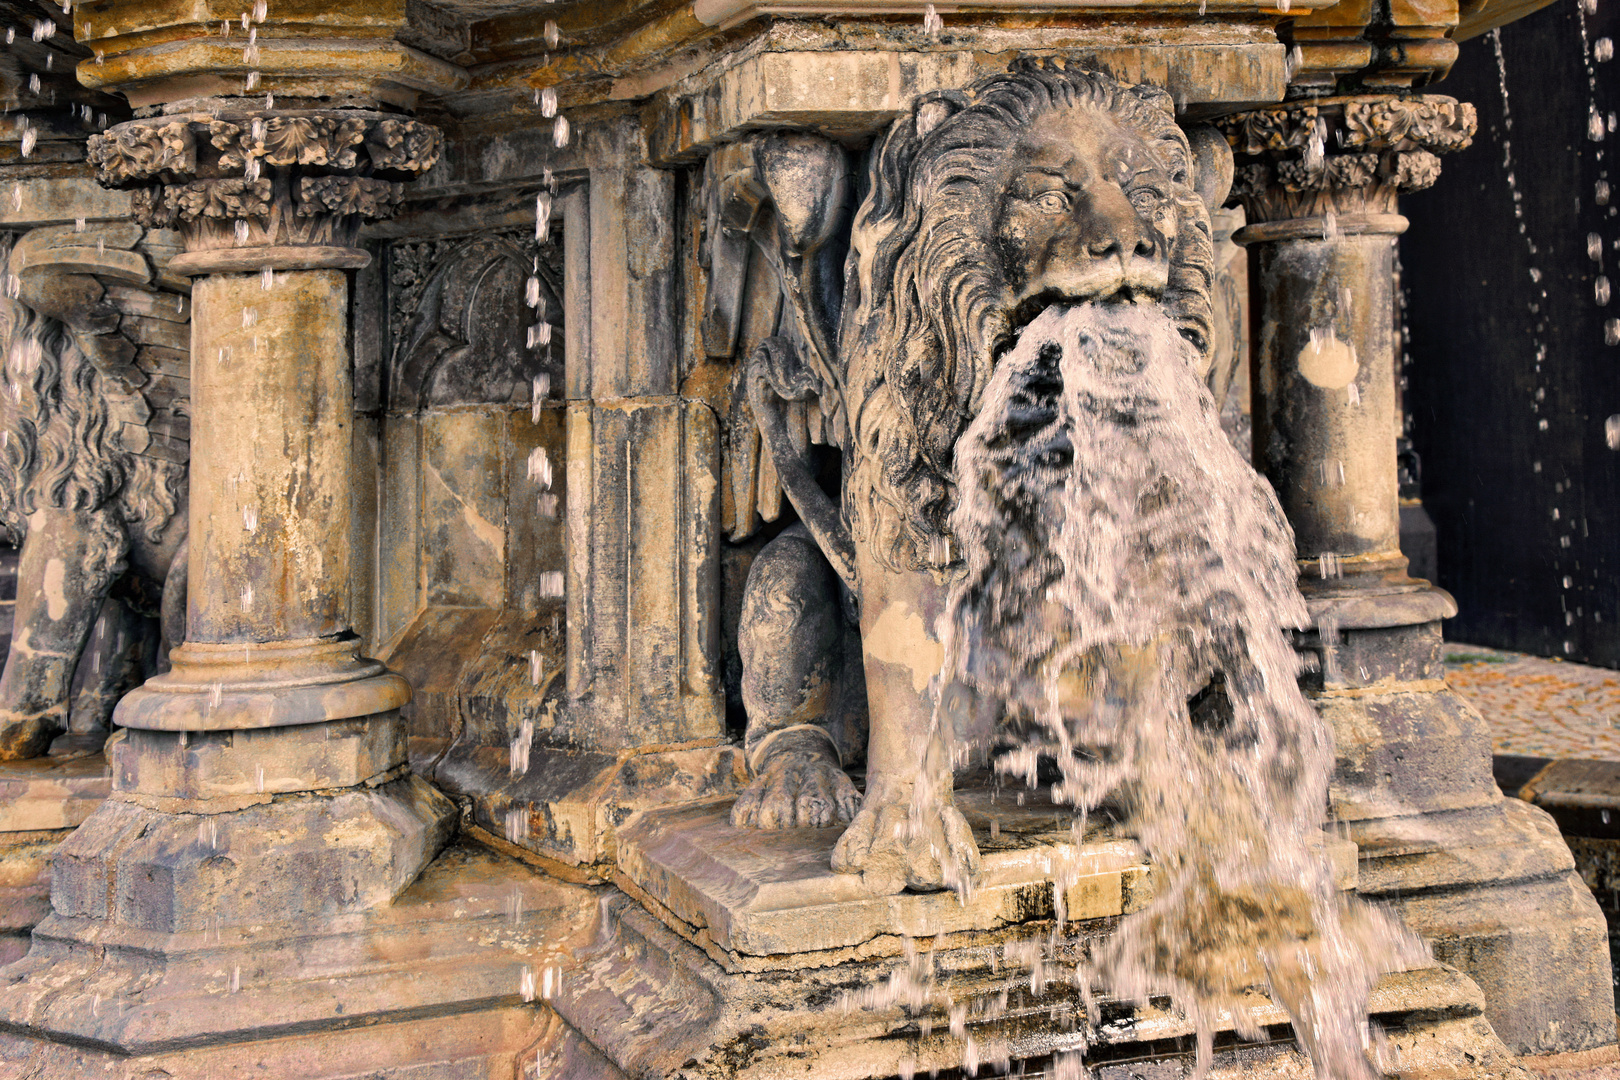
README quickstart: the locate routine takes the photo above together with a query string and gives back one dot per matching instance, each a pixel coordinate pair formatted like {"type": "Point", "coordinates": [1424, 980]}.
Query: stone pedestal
{"type": "Point", "coordinates": [747, 957]}
{"type": "Point", "coordinates": [1488, 883]}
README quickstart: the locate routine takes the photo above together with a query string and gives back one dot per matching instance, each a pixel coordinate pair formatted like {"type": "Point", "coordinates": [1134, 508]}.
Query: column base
{"type": "Point", "coordinates": [309, 855]}
{"type": "Point", "coordinates": [1488, 882]}
{"type": "Point", "coordinates": [436, 984]}
{"type": "Point", "coordinates": [279, 684]}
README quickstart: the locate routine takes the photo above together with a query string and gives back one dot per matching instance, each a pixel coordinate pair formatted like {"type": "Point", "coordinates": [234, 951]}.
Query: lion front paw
{"type": "Point", "coordinates": [27, 735]}
{"type": "Point", "coordinates": [894, 845]}
{"type": "Point", "coordinates": [797, 790]}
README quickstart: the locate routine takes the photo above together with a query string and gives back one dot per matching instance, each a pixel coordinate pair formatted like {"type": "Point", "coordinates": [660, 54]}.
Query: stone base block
{"type": "Point", "coordinates": [51, 792]}
{"type": "Point", "coordinates": [443, 983]}
{"type": "Point", "coordinates": [568, 806]}
{"type": "Point", "coordinates": [758, 899]}
{"type": "Point", "coordinates": [1496, 893]}
{"type": "Point", "coordinates": [296, 856]}
{"type": "Point", "coordinates": [653, 1004]}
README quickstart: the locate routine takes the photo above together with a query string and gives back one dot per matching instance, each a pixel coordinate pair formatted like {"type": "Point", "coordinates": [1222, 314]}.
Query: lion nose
{"type": "Point", "coordinates": [1115, 228]}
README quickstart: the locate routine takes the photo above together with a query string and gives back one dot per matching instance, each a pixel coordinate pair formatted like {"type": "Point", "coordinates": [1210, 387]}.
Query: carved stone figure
{"type": "Point", "coordinates": [94, 440]}
{"type": "Point", "coordinates": [984, 207]}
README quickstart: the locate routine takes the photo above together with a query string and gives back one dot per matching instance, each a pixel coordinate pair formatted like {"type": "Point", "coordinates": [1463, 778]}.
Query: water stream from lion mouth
{"type": "Point", "coordinates": [1122, 561]}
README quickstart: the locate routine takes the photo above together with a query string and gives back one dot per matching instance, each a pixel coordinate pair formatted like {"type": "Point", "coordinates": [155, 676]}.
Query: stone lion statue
{"type": "Point", "coordinates": [1045, 185]}
{"type": "Point", "coordinates": [93, 454]}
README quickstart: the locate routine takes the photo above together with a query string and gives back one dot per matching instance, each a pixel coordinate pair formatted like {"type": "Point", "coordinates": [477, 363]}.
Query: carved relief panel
{"type": "Point", "coordinates": [471, 491]}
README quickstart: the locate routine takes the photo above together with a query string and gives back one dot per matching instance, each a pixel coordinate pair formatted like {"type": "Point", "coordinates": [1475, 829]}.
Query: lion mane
{"type": "Point", "coordinates": [57, 446]}
{"type": "Point", "coordinates": [927, 294]}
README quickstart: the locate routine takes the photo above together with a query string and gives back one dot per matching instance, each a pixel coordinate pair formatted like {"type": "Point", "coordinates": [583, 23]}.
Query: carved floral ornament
{"type": "Point", "coordinates": [182, 169]}
{"type": "Point", "coordinates": [1432, 123]}
{"type": "Point", "coordinates": [1342, 157]}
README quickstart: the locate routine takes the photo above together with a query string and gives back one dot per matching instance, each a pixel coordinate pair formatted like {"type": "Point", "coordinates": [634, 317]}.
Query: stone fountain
{"type": "Point", "coordinates": [511, 345]}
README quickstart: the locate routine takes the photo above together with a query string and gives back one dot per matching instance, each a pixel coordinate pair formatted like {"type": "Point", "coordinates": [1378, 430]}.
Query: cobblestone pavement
{"type": "Point", "coordinates": [1539, 707]}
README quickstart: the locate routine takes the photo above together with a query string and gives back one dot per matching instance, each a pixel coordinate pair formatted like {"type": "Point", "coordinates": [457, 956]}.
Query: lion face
{"type": "Point", "coordinates": [1083, 213]}
{"type": "Point", "coordinates": [1044, 185]}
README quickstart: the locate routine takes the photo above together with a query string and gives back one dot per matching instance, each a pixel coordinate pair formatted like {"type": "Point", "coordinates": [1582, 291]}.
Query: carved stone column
{"type": "Point", "coordinates": [268, 696]}
{"type": "Point", "coordinates": [1487, 881]}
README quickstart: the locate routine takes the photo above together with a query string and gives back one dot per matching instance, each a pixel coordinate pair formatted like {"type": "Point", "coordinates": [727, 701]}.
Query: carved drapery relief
{"type": "Point", "coordinates": [1344, 157]}
{"type": "Point", "coordinates": [277, 178]}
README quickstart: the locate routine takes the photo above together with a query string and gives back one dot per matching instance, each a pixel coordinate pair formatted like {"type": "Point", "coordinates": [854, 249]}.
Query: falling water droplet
{"type": "Point", "coordinates": [932, 24]}
{"type": "Point", "coordinates": [29, 137]}
{"type": "Point", "coordinates": [1600, 289]}
{"type": "Point", "coordinates": [540, 466]}
{"type": "Point", "coordinates": [1611, 432]}
{"type": "Point", "coordinates": [267, 278]}
{"type": "Point", "coordinates": [548, 102]}
{"type": "Point", "coordinates": [553, 34]}
{"type": "Point", "coordinates": [1568, 581]}
{"type": "Point", "coordinates": [250, 518]}
{"type": "Point", "coordinates": [1603, 50]}
{"type": "Point", "coordinates": [559, 132]}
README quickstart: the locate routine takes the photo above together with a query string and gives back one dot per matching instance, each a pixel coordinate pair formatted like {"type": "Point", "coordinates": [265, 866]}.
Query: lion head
{"type": "Point", "coordinates": [1044, 185]}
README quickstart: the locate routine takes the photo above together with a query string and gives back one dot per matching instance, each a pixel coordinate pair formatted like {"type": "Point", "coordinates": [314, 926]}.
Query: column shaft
{"type": "Point", "coordinates": [1324, 409]}
{"type": "Point", "coordinates": [271, 470]}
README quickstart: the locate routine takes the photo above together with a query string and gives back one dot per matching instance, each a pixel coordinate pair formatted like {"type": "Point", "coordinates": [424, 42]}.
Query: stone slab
{"type": "Point", "coordinates": [765, 893]}
{"type": "Point", "coordinates": [475, 934]}
{"type": "Point", "coordinates": [51, 792]}
{"type": "Point", "coordinates": [854, 93]}
{"type": "Point", "coordinates": [655, 1005]}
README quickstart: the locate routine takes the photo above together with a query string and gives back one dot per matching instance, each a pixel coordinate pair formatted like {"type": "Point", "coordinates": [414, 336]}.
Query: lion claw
{"type": "Point", "coordinates": [796, 790]}
{"type": "Point", "coordinates": [894, 847]}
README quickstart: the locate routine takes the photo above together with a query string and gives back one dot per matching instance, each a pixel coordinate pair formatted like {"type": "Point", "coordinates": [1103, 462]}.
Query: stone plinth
{"type": "Point", "coordinates": [761, 899]}
{"type": "Point", "coordinates": [448, 973]}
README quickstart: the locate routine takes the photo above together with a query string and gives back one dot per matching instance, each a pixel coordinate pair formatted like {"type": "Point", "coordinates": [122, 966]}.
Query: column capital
{"type": "Point", "coordinates": [1336, 166]}
{"type": "Point", "coordinates": [247, 189]}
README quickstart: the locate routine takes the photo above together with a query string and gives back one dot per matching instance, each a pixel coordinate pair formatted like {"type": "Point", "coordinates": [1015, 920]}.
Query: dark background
{"type": "Point", "coordinates": [1476, 319]}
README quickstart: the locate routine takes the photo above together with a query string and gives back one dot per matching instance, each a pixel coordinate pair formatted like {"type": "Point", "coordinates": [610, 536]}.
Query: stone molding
{"type": "Point", "coordinates": [262, 180]}
{"type": "Point", "coordinates": [1348, 158]}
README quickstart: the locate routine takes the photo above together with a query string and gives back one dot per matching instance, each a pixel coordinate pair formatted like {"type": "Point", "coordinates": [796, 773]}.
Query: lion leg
{"type": "Point", "coordinates": [68, 561]}
{"type": "Point", "coordinates": [791, 639]}
{"type": "Point", "coordinates": [908, 833]}
{"type": "Point", "coordinates": [114, 661]}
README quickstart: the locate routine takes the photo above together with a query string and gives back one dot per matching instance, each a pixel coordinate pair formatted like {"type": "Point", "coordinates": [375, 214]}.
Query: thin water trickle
{"type": "Point", "coordinates": [1121, 559]}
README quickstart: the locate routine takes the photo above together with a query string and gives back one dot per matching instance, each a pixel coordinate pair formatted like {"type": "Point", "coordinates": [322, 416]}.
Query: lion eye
{"type": "Point", "coordinates": [1146, 200]}
{"type": "Point", "coordinates": [1051, 202]}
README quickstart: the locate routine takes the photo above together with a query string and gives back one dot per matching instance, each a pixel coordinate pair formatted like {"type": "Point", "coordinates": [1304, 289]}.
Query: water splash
{"type": "Point", "coordinates": [1129, 581]}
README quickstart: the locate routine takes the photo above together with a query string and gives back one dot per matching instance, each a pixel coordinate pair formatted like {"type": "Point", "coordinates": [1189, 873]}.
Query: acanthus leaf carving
{"type": "Point", "coordinates": [404, 145]}
{"type": "Point", "coordinates": [1409, 123]}
{"type": "Point", "coordinates": [1342, 157]}
{"type": "Point", "coordinates": [141, 151]}
{"type": "Point", "coordinates": [349, 195]}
